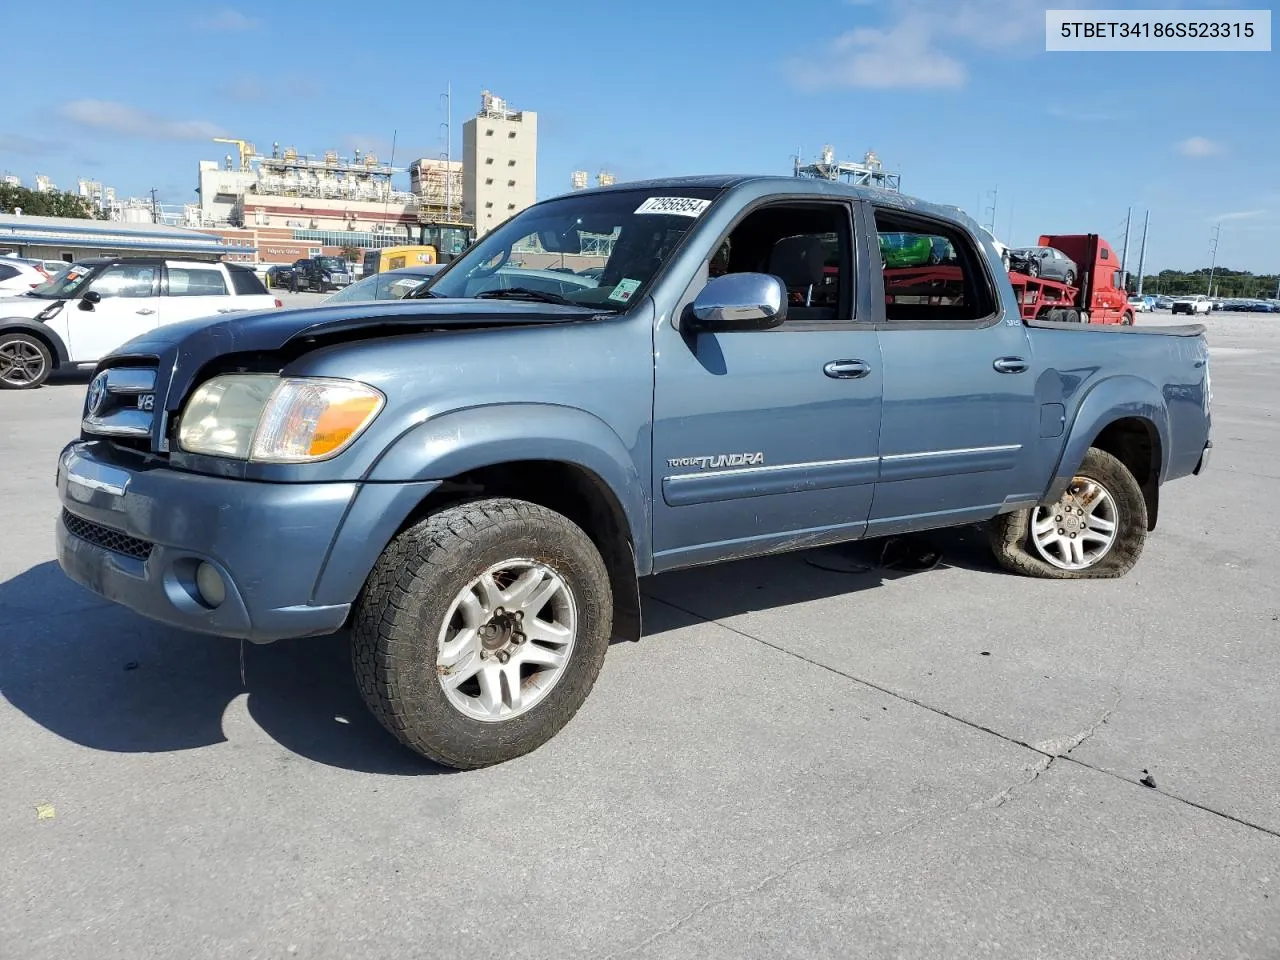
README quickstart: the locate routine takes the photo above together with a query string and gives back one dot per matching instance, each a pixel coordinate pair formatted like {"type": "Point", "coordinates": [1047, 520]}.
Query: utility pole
{"type": "Point", "coordinates": [448, 150]}
{"type": "Point", "coordinates": [1124, 256]}
{"type": "Point", "coordinates": [1142, 252]}
{"type": "Point", "coordinates": [1217, 235]}
{"type": "Point", "coordinates": [154, 217]}
{"type": "Point", "coordinates": [991, 224]}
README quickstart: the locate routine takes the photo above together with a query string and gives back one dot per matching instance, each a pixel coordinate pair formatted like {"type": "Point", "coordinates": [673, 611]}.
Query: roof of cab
{"type": "Point", "coordinates": [764, 183]}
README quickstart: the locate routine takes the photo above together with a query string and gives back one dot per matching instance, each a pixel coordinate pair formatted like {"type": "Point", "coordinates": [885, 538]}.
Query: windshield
{"type": "Point", "coordinates": [597, 250]}
{"type": "Point", "coordinates": [67, 282]}
{"type": "Point", "coordinates": [332, 264]}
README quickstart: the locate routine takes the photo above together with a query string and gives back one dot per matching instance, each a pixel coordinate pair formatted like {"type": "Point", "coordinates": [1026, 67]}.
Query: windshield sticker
{"type": "Point", "coordinates": [680, 206]}
{"type": "Point", "coordinates": [625, 288]}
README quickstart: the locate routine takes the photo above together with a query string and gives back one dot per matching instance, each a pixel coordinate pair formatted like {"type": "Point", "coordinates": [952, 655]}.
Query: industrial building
{"type": "Point", "coordinates": [499, 163]}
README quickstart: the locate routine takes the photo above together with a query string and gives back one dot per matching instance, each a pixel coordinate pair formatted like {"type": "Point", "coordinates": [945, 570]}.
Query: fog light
{"type": "Point", "coordinates": [209, 582]}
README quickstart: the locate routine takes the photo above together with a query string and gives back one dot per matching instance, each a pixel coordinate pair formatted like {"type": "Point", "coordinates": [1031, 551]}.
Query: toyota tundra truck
{"type": "Point", "coordinates": [473, 480]}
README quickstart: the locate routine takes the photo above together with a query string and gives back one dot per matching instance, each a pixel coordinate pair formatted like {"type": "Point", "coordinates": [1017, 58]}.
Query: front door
{"type": "Point", "coordinates": [767, 440]}
{"type": "Point", "coordinates": [129, 306]}
{"type": "Point", "coordinates": [959, 417]}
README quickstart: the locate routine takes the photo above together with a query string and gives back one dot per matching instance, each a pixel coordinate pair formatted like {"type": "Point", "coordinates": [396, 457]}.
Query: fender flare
{"type": "Point", "coordinates": [473, 437]}
{"type": "Point", "coordinates": [59, 349]}
{"type": "Point", "coordinates": [1109, 400]}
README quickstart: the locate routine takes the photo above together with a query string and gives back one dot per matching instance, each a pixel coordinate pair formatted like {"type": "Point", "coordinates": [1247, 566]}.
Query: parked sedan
{"type": "Point", "coordinates": [1048, 262]}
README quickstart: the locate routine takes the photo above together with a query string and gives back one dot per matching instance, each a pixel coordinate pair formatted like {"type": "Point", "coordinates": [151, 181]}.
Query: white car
{"type": "Point", "coordinates": [19, 276]}
{"type": "Point", "coordinates": [1000, 248]}
{"type": "Point", "coordinates": [1139, 304]}
{"type": "Point", "coordinates": [1192, 305]}
{"type": "Point", "coordinates": [97, 305]}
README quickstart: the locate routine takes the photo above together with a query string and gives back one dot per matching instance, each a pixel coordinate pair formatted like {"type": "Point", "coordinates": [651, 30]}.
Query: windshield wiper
{"type": "Point", "coordinates": [525, 293]}
{"type": "Point", "coordinates": [421, 293]}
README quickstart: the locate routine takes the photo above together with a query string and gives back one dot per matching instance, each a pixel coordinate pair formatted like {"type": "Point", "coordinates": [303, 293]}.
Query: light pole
{"type": "Point", "coordinates": [1213, 263]}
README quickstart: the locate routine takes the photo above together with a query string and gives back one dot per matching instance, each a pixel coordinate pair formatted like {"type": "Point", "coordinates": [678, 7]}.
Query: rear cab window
{"type": "Point", "coordinates": [932, 272]}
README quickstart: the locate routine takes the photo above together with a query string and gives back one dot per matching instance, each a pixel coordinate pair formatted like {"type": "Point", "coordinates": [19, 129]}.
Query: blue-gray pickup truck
{"type": "Point", "coordinates": [610, 384]}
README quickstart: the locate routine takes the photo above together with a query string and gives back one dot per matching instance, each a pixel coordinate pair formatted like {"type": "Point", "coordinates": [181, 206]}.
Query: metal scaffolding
{"type": "Point", "coordinates": [869, 173]}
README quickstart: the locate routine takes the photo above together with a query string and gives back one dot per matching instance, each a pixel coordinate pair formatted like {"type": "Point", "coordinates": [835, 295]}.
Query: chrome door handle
{"type": "Point", "coordinates": [146, 311]}
{"type": "Point", "coordinates": [846, 369]}
{"type": "Point", "coordinates": [1010, 365]}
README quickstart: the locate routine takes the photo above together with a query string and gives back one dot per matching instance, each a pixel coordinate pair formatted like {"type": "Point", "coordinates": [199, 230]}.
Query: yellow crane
{"type": "Point", "coordinates": [246, 149]}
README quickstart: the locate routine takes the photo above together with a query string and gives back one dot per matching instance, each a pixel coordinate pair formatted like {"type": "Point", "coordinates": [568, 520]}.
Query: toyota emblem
{"type": "Point", "coordinates": [97, 394]}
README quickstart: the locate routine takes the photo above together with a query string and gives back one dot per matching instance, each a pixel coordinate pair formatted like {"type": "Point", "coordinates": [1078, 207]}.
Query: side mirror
{"type": "Point", "coordinates": [89, 299]}
{"type": "Point", "coordinates": [740, 301]}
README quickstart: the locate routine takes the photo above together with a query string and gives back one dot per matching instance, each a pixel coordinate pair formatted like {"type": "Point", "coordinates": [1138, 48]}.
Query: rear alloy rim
{"type": "Point", "coordinates": [506, 640]}
{"type": "Point", "coordinates": [21, 363]}
{"type": "Point", "coordinates": [1080, 529]}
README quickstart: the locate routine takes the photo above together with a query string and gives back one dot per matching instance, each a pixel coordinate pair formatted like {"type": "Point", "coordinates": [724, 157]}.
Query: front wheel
{"type": "Point", "coordinates": [1097, 528]}
{"type": "Point", "coordinates": [1069, 279]}
{"type": "Point", "coordinates": [25, 361]}
{"type": "Point", "coordinates": [481, 631]}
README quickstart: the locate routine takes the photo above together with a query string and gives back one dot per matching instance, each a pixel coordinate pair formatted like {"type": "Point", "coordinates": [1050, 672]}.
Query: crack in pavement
{"type": "Point", "coordinates": [1046, 757]}
{"type": "Point", "coordinates": [769, 878]}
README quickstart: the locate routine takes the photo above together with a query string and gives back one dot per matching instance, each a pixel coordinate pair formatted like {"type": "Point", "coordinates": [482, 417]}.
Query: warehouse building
{"type": "Point", "coordinates": [69, 239]}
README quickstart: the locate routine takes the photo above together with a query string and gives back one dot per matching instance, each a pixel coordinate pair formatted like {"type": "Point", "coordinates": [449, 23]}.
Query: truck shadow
{"type": "Point", "coordinates": [97, 675]}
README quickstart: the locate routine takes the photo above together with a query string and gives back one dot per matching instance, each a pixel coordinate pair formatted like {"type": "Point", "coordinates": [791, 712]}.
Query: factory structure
{"type": "Point", "coordinates": [290, 205]}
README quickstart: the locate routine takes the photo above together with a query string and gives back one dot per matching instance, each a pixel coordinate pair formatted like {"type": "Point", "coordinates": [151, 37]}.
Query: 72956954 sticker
{"type": "Point", "coordinates": [680, 206]}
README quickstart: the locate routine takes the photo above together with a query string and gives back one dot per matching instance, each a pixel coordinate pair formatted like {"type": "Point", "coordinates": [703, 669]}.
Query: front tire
{"type": "Point", "coordinates": [481, 631]}
{"type": "Point", "coordinates": [1096, 530]}
{"type": "Point", "coordinates": [25, 361]}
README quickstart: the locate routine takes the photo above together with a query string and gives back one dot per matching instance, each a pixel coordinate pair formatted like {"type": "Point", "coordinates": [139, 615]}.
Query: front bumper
{"type": "Point", "coordinates": [136, 534]}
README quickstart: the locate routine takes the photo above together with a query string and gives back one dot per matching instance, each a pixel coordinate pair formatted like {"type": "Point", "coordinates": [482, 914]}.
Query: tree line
{"type": "Point", "coordinates": [1226, 283]}
{"type": "Point", "coordinates": [50, 203]}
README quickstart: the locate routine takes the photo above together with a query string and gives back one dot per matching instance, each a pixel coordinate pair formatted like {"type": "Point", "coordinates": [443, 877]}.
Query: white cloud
{"type": "Point", "coordinates": [120, 118]}
{"type": "Point", "coordinates": [1238, 215]}
{"type": "Point", "coordinates": [920, 42]}
{"type": "Point", "coordinates": [1198, 147]}
{"type": "Point", "coordinates": [900, 56]}
{"type": "Point", "coordinates": [227, 19]}
{"type": "Point", "coordinates": [908, 51]}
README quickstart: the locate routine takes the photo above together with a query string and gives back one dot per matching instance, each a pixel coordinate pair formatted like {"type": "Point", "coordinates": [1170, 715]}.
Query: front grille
{"type": "Point", "coordinates": [105, 537]}
{"type": "Point", "coordinates": [120, 405]}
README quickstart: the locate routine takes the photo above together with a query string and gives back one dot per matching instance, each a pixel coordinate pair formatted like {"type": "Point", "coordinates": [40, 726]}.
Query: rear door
{"type": "Point", "coordinates": [959, 412]}
{"type": "Point", "coordinates": [129, 307]}
{"type": "Point", "coordinates": [195, 290]}
{"type": "Point", "coordinates": [768, 439]}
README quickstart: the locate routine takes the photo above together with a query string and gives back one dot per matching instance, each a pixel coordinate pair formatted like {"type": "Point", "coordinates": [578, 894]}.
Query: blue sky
{"type": "Point", "coordinates": [959, 96]}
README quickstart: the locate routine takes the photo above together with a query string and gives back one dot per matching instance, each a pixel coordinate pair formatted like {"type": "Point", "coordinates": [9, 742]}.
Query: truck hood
{"type": "Point", "coordinates": [185, 348]}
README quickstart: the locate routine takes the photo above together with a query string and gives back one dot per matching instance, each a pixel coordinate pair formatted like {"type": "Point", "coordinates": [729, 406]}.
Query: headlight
{"type": "Point", "coordinates": [267, 419]}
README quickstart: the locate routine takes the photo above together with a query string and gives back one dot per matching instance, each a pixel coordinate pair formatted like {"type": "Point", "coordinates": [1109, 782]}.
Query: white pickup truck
{"type": "Point", "coordinates": [98, 304]}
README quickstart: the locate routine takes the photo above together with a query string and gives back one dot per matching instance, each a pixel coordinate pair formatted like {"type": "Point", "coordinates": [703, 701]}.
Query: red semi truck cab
{"type": "Point", "coordinates": [1102, 292]}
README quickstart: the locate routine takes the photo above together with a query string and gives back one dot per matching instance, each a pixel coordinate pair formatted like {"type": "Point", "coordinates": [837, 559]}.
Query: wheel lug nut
{"type": "Point", "coordinates": [1062, 530]}
{"type": "Point", "coordinates": [1059, 519]}
{"type": "Point", "coordinates": [503, 656]}
{"type": "Point", "coordinates": [1073, 536]}
{"type": "Point", "coordinates": [518, 638]}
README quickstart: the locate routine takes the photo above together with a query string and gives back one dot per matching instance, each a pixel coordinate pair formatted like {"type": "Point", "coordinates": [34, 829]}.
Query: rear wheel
{"type": "Point", "coordinates": [1070, 278]}
{"type": "Point", "coordinates": [481, 631]}
{"type": "Point", "coordinates": [25, 361]}
{"type": "Point", "coordinates": [1096, 529]}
